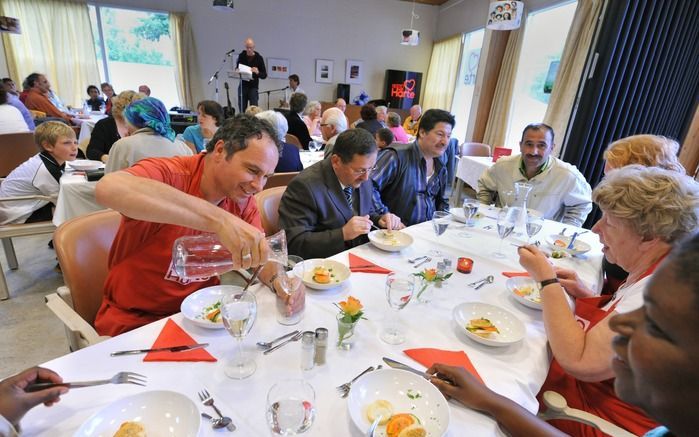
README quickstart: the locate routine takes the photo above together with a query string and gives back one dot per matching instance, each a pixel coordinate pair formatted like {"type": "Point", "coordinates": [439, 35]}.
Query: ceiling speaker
{"type": "Point", "coordinates": [223, 5]}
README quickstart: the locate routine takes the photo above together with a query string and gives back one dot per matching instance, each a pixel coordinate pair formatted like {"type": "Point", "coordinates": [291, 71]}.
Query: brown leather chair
{"type": "Point", "coordinates": [82, 246]}
{"type": "Point", "coordinates": [475, 149]}
{"type": "Point", "coordinates": [280, 179]}
{"type": "Point", "coordinates": [14, 150]}
{"type": "Point", "coordinates": [268, 205]}
{"type": "Point", "coordinates": [293, 139]}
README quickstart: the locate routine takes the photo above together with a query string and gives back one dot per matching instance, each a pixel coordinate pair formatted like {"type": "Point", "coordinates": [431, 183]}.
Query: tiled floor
{"type": "Point", "coordinates": [31, 334]}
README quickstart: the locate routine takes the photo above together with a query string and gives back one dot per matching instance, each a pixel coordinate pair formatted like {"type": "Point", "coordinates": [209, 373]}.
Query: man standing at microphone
{"type": "Point", "coordinates": [247, 89]}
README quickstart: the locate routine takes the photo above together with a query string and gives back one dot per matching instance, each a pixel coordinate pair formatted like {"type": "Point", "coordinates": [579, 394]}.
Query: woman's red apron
{"type": "Point", "coordinates": [597, 398]}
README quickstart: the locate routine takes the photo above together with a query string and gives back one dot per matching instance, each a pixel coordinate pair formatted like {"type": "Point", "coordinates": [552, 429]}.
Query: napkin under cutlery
{"type": "Point", "coordinates": [359, 264]}
{"type": "Point", "coordinates": [428, 356]}
{"type": "Point", "coordinates": [173, 335]}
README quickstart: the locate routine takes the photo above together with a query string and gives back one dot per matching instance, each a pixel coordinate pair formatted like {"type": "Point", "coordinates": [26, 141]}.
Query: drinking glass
{"type": "Point", "coordinates": [291, 407]}
{"type": "Point", "coordinates": [535, 221]}
{"type": "Point", "coordinates": [199, 257]}
{"type": "Point", "coordinates": [290, 277]}
{"type": "Point", "coordinates": [314, 146]}
{"type": "Point", "coordinates": [239, 311]}
{"type": "Point", "coordinates": [507, 218]}
{"type": "Point", "coordinates": [470, 207]}
{"type": "Point", "coordinates": [399, 290]}
{"type": "Point", "coordinates": [440, 223]}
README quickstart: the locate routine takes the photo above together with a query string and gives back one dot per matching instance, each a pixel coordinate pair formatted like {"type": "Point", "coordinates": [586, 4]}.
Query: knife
{"type": "Point", "coordinates": [161, 349]}
{"type": "Point", "coordinates": [398, 365]}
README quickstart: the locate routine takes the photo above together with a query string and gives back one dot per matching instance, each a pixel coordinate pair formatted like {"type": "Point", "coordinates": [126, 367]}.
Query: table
{"type": "Point", "coordinates": [517, 371]}
{"type": "Point", "coordinates": [469, 170]}
{"type": "Point", "coordinates": [76, 197]}
{"type": "Point", "coordinates": [309, 158]}
{"type": "Point", "coordinates": [86, 126]}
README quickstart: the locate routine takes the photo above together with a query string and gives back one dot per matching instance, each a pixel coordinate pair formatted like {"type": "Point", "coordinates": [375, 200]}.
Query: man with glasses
{"type": "Point", "coordinates": [329, 206]}
{"type": "Point", "coordinates": [410, 179]}
{"type": "Point", "coordinates": [248, 89]}
{"type": "Point", "coordinates": [559, 191]}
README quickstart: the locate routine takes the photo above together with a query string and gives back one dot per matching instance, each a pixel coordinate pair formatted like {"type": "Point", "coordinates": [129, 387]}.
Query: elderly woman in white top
{"type": "Point", "coordinates": [11, 119]}
{"type": "Point", "coordinates": [311, 116]}
{"type": "Point", "coordinates": [150, 136]}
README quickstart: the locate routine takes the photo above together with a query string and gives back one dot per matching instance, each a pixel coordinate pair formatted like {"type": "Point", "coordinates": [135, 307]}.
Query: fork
{"type": "Point", "coordinates": [207, 400]}
{"type": "Point", "coordinates": [344, 389]}
{"type": "Point", "coordinates": [119, 378]}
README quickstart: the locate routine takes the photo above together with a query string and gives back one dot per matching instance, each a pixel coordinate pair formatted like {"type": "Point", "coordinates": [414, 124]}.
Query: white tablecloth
{"type": "Point", "coordinates": [310, 158]}
{"type": "Point", "coordinates": [470, 169]}
{"type": "Point", "coordinates": [76, 197]}
{"type": "Point", "coordinates": [517, 371]}
{"type": "Point", "coordinates": [86, 126]}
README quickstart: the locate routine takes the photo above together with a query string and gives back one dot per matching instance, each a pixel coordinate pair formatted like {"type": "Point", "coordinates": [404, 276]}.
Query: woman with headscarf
{"type": "Point", "coordinates": [150, 136]}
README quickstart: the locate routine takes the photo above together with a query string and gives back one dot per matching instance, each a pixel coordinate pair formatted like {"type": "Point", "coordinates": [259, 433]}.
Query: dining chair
{"type": "Point", "coordinates": [268, 205]}
{"type": "Point", "coordinates": [280, 179]}
{"type": "Point", "coordinates": [557, 409]}
{"type": "Point", "coordinates": [475, 149]}
{"type": "Point", "coordinates": [293, 139]}
{"type": "Point", "coordinates": [15, 149]}
{"type": "Point", "coordinates": [82, 246]}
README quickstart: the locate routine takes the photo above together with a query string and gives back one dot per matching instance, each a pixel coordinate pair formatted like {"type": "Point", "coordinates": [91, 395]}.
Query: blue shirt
{"type": "Point", "coordinates": [401, 184]}
{"type": "Point", "coordinates": [193, 135]}
{"type": "Point", "coordinates": [13, 100]}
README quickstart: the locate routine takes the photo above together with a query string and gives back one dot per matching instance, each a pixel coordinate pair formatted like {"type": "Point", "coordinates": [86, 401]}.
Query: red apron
{"type": "Point", "coordinates": [597, 398]}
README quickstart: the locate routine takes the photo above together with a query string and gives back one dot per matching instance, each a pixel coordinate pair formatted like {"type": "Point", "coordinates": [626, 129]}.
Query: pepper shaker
{"type": "Point", "coordinates": [307, 350]}
{"type": "Point", "coordinates": [321, 345]}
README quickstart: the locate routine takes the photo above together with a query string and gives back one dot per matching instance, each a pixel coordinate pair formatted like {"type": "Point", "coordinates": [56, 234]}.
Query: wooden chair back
{"type": "Point", "coordinates": [268, 205]}
{"type": "Point", "coordinates": [280, 179]}
{"type": "Point", "coordinates": [475, 149]}
{"type": "Point", "coordinates": [293, 139]}
{"type": "Point", "coordinates": [14, 150]}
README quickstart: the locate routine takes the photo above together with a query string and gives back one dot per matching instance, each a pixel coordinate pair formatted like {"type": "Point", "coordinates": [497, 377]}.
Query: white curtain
{"type": "Point", "coordinates": [56, 40]}
{"type": "Point", "coordinates": [185, 70]}
{"type": "Point", "coordinates": [442, 72]}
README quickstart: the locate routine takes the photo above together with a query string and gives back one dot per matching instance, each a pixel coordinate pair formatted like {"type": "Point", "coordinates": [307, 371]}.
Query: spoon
{"type": "Point", "coordinates": [269, 344]}
{"type": "Point", "coordinates": [223, 422]}
{"type": "Point", "coordinates": [414, 260]}
{"type": "Point", "coordinates": [488, 280]}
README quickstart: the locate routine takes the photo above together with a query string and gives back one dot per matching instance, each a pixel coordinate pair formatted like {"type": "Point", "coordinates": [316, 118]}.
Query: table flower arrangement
{"type": "Point", "coordinates": [429, 278]}
{"type": "Point", "coordinates": [347, 318]}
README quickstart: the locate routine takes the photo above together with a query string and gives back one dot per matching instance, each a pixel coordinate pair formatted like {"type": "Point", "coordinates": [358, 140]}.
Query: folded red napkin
{"type": "Point", "coordinates": [428, 356]}
{"type": "Point", "coordinates": [359, 264]}
{"type": "Point", "coordinates": [173, 335]}
{"type": "Point", "coordinates": [513, 274]}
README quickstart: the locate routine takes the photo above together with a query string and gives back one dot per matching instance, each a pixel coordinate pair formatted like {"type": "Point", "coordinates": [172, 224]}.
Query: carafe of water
{"type": "Point", "coordinates": [203, 256]}
{"type": "Point", "coordinates": [519, 205]}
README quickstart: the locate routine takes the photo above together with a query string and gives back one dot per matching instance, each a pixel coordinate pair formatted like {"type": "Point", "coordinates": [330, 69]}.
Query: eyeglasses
{"type": "Point", "coordinates": [363, 171]}
{"type": "Point", "coordinates": [324, 124]}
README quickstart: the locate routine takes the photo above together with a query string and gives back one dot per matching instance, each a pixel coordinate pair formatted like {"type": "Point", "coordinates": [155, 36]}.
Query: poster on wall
{"type": "Point", "coordinates": [354, 71]}
{"type": "Point", "coordinates": [9, 24]}
{"type": "Point", "coordinates": [324, 70]}
{"type": "Point", "coordinates": [278, 68]}
{"type": "Point", "coordinates": [505, 15]}
{"type": "Point", "coordinates": [402, 88]}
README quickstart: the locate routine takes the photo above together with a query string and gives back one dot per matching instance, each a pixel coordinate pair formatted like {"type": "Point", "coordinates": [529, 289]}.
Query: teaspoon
{"type": "Point", "coordinates": [223, 422]}
{"type": "Point", "coordinates": [488, 280]}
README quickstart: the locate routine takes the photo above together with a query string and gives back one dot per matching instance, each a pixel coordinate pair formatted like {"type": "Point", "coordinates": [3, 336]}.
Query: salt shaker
{"type": "Point", "coordinates": [321, 345]}
{"type": "Point", "coordinates": [307, 350]}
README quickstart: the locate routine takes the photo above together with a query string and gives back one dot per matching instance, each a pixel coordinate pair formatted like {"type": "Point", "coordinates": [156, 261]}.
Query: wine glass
{"type": "Point", "coordinates": [314, 146]}
{"type": "Point", "coordinates": [291, 407]}
{"type": "Point", "coordinates": [535, 221]}
{"type": "Point", "coordinates": [290, 278]}
{"type": "Point", "coordinates": [440, 223]}
{"type": "Point", "coordinates": [507, 218]}
{"type": "Point", "coordinates": [470, 207]}
{"type": "Point", "coordinates": [399, 290]}
{"type": "Point", "coordinates": [239, 311]}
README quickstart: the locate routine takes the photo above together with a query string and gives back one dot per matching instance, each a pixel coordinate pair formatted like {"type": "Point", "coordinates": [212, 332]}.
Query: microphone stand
{"type": "Point", "coordinates": [214, 77]}
{"type": "Point", "coordinates": [268, 92]}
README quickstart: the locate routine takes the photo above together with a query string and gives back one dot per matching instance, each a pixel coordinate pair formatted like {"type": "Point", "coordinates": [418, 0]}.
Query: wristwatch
{"type": "Point", "coordinates": [546, 282]}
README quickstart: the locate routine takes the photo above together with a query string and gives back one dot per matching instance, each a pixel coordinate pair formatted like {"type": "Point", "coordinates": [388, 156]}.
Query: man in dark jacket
{"type": "Point", "coordinates": [247, 89]}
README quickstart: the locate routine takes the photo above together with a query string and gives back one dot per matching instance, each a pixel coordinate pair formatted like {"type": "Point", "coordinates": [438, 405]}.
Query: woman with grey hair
{"type": "Point", "coordinates": [645, 210]}
{"type": "Point", "coordinates": [393, 123]}
{"type": "Point", "coordinates": [311, 116]}
{"type": "Point", "coordinates": [289, 160]}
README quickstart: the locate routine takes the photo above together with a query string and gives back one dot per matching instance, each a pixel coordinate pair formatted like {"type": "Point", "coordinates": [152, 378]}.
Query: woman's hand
{"type": "Point", "coordinates": [571, 283]}
{"type": "Point", "coordinates": [15, 402]}
{"type": "Point", "coordinates": [536, 263]}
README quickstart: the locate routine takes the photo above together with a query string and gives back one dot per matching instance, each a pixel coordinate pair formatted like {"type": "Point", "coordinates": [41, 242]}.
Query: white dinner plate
{"type": "Point", "coordinates": [526, 291]}
{"type": "Point", "coordinates": [85, 164]}
{"type": "Point", "coordinates": [393, 242]}
{"type": "Point", "coordinates": [407, 393]}
{"type": "Point", "coordinates": [339, 273]}
{"type": "Point", "coordinates": [511, 328]}
{"type": "Point", "coordinates": [579, 248]}
{"type": "Point", "coordinates": [161, 413]}
{"type": "Point", "coordinates": [194, 306]}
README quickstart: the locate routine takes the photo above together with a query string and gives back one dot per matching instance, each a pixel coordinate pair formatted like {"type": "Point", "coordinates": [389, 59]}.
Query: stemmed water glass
{"type": "Point", "coordinates": [239, 311]}
{"type": "Point", "coordinates": [440, 223]}
{"type": "Point", "coordinates": [291, 407]}
{"type": "Point", "coordinates": [399, 291]}
{"type": "Point", "coordinates": [507, 218]}
{"type": "Point", "coordinates": [290, 278]}
{"type": "Point", "coordinates": [314, 146]}
{"type": "Point", "coordinates": [534, 223]}
{"type": "Point", "coordinates": [470, 207]}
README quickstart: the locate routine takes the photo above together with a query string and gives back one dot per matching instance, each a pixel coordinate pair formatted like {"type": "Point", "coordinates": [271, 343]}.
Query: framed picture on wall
{"type": "Point", "coordinates": [278, 68]}
{"type": "Point", "coordinates": [354, 71]}
{"type": "Point", "coordinates": [324, 70]}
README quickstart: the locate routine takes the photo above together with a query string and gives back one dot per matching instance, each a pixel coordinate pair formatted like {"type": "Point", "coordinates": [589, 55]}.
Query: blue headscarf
{"type": "Point", "coordinates": [150, 112]}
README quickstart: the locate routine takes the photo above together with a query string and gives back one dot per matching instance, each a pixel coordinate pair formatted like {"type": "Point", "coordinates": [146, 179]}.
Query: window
{"type": "Point", "coordinates": [466, 83]}
{"type": "Point", "coordinates": [134, 48]}
{"type": "Point", "coordinates": [542, 48]}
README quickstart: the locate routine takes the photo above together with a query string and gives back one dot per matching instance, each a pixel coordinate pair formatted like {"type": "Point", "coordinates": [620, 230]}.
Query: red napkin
{"type": "Point", "coordinates": [359, 264]}
{"type": "Point", "coordinates": [514, 274]}
{"type": "Point", "coordinates": [427, 357]}
{"type": "Point", "coordinates": [173, 335]}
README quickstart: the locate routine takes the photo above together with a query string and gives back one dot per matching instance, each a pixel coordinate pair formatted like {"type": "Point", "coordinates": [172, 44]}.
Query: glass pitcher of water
{"type": "Point", "coordinates": [518, 208]}
{"type": "Point", "coordinates": [202, 256]}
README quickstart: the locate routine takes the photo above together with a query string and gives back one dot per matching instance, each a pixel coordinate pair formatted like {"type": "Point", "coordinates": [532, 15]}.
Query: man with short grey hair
{"type": "Point", "coordinates": [381, 114]}
{"type": "Point", "coordinates": [332, 123]}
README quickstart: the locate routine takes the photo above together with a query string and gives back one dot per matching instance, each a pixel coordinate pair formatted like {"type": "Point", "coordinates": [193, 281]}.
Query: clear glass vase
{"type": "Point", "coordinates": [426, 293]}
{"type": "Point", "coordinates": [345, 333]}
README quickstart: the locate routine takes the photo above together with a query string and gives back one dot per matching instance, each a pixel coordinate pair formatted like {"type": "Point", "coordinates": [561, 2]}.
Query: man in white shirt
{"type": "Point", "coordinates": [332, 123]}
{"type": "Point", "coordinates": [294, 82]}
{"type": "Point", "coordinates": [559, 191]}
